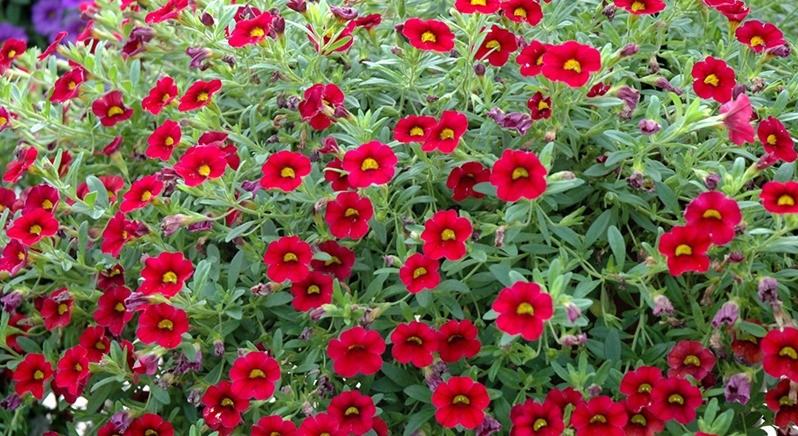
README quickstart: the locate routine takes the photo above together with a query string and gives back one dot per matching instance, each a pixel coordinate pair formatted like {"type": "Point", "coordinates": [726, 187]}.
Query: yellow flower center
{"type": "Point", "coordinates": [62, 308]}
{"type": "Point", "coordinates": [78, 367]}
{"type": "Point", "coordinates": [21, 256]}
{"type": "Point", "coordinates": [204, 170]}
{"type": "Point", "coordinates": [692, 360]}
{"type": "Point", "coordinates": [639, 419]}
{"type": "Point", "coordinates": [598, 418]}
{"type": "Point", "coordinates": [170, 277]}
{"type": "Point", "coordinates": [539, 423]}
{"type": "Point", "coordinates": [786, 401]}
{"type": "Point", "coordinates": [461, 399]}
{"type": "Point", "coordinates": [119, 307]}
{"type": "Point", "coordinates": [352, 410]}
{"type": "Point", "coordinates": [227, 402]}
{"type": "Point", "coordinates": [573, 65]}
{"type": "Point", "coordinates": [351, 212]}
{"type": "Point", "coordinates": [256, 373]}
{"type": "Point", "coordinates": [428, 37]}
{"type": "Point", "coordinates": [645, 387]}
{"type": "Point", "coordinates": [493, 44]}
{"type": "Point", "coordinates": [169, 141]}
{"type": "Point", "coordinates": [415, 339]}
{"type": "Point", "coordinates": [150, 432]}
{"type": "Point", "coordinates": [99, 346]}
{"type": "Point", "coordinates": [525, 309]}
{"type": "Point", "coordinates": [313, 289]}
{"type": "Point", "coordinates": [3, 120]}
{"type": "Point", "coordinates": [287, 173]}
{"type": "Point", "coordinates": [36, 229]}
{"type": "Point", "coordinates": [757, 40]}
{"type": "Point", "coordinates": [786, 200]}
{"type": "Point", "coordinates": [202, 96]}
{"type": "Point", "coordinates": [369, 164]}
{"type": "Point", "coordinates": [638, 6]}
{"type": "Point", "coordinates": [115, 110]}
{"type": "Point", "coordinates": [542, 105]}
{"type": "Point", "coordinates": [146, 195]}
{"type": "Point", "coordinates": [788, 352]}
{"type": "Point", "coordinates": [772, 140]}
{"type": "Point", "coordinates": [712, 213]}
{"type": "Point", "coordinates": [256, 32]}
{"type": "Point", "coordinates": [684, 250]}
{"type": "Point", "coordinates": [165, 98]}
{"type": "Point", "coordinates": [448, 235]}
{"type": "Point", "coordinates": [12, 53]}
{"type": "Point", "coordinates": [676, 399]}
{"type": "Point", "coordinates": [416, 131]}
{"type": "Point", "coordinates": [290, 257]}
{"type": "Point", "coordinates": [479, 2]}
{"type": "Point", "coordinates": [447, 134]}
{"type": "Point", "coordinates": [72, 85]}
{"type": "Point", "coordinates": [38, 375]}
{"type": "Point", "coordinates": [519, 173]}
{"type": "Point", "coordinates": [418, 272]}
{"type": "Point", "coordinates": [165, 324]}
{"type": "Point", "coordinates": [712, 80]}
{"type": "Point", "coordinates": [520, 12]}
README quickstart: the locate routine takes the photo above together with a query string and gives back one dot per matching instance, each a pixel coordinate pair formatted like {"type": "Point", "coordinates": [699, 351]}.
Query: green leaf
{"type": "Point", "coordinates": [617, 245]}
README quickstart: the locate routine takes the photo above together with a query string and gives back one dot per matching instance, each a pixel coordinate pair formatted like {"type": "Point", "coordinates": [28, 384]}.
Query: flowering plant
{"type": "Point", "coordinates": [279, 218]}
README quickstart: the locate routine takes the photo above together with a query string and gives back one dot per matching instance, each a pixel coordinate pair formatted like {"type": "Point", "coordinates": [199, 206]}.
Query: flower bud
{"type": "Point", "coordinates": [572, 312]}
{"type": "Point", "coordinates": [207, 19]}
{"type": "Point", "coordinates": [11, 402]}
{"type": "Point", "coordinates": [662, 306]}
{"type": "Point", "coordinates": [711, 181]}
{"type": "Point", "coordinates": [218, 348]}
{"type": "Point", "coordinates": [297, 5]}
{"type": "Point", "coordinates": [479, 69]}
{"type": "Point", "coordinates": [648, 127]}
{"type": "Point", "coordinates": [631, 49]}
{"type": "Point", "coordinates": [782, 51]}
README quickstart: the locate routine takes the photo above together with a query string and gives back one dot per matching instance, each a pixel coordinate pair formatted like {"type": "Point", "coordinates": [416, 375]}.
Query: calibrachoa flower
{"type": "Point", "coordinates": [356, 351]}
{"type": "Point", "coordinates": [779, 400]}
{"type": "Point", "coordinates": [31, 375]}
{"type": "Point", "coordinates": [201, 163]}
{"type": "Point", "coordinates": [414, 343]}
{"type": "Point", "coordinates": [497, 46]}
{"type": "Point", "coordinates": [110, 109]}
{"type": "Point", "coordinates": [518, 174]}
{"type": "Point", "coordinates": [642, 422]}
{"type": "Point", "coordinates": [251, 31]}
{"type": "Point", "coordinates": [165, 274]}
{"type": "Point", "coordinates": [736, 116]}
{"type": "Point", "coordinates": [460, 401]}
{"type": "Point", "coordinates": [335, 174]}
{"type": "Point", "coordinates": [780, 198]}
{"type": "Point", "coordinates": [715, 214]}
{"type": "Point", "coordinates": [284, 170]}
{"type": "Point", "coordinates": [287, 259]}
{"type": "Point", "coordinates": [354, 411]}
{"type": "Point", "coordinates": [67, 86]}
{"type": "Point", "coordinates": [274, 425]}
{"type": "Point", "coordinates": [318, 425]}
{"type": "Point", "coordinates": [348, 215]}
{"type": "Point", "coordinates": [637, 386]}
{"type": "Point", "coordinates": [118, 231]}
{"type": "Point", "coordinates": [533, 418]}
{"type": "Point", "coordinates": [539, 106]}
{"type": "Point", "coordinates": [781, 353]}
{"type": "Point", "coordinates": [528, 11]}
{"type": "Point", "coordinates": [225, 404]}
{"type": "Point", "coordinates": [641, 7]}
{"type": "Point", "coordinates": [759, 36]}
{"type": "Point", "coordinates": [163, 140]}
{"type": "Point", "coordinates": [463, 178]}
{"type": "Point", "coordinates": [419, 272]}
{"type": "Point", "coordinates": [319, 105]}
{"type": "Point", "coordinates": [599, 415]}
{"type": "Point", "coordinates": [56, 310]}
{"type": "Point", "coordinates": [776, 139]}
{"type": "Point", "coordinates": [141, 193]}
{"type": "Point", "coordinates": [340, 262]}
{"type": "Point", "coordinates": [473, 6]}
{"type": "Point", "coordinates": [111, 309]}
{"type": "Point", "coordinates": [373, 163]}
{"type": "Point", "coordinates": [458, 339]}
{"type": "Point", "coordinates": [712, 78]}
{"type": "Point", "coordinates": [686, 248]}
{"type": "Point", "coordinates": [199, 94]}
{"type": "Point", "coordinates": [162, 324]}
{"type": "Point", "coordinates": [675, 398]}
{"type": "Point", "coordinates": [531, 58]}
{"type": "Point", "coordinates": [446, 133]}
{"type": "Point", "coordinates": [160, 96]}
{"type": "Point", "coordinates": [73, 369]}
{"type": "Point", "coordinates": [445, 235]}
{"type": "Point", "coordinates": [413, 128]}
{"type": "Point", "coordinates": [522, 309]}
{"type": "Point", "coordinates": [31, 227]}
{"type": "Point", "coordinates": [571, 63]}
{"type": "Point", "coordinates": [14, 257]}
{"type": "Point", "coordinates": [41, 197]}
{"type": "Point", "coordinates": [690, 358]}
{"type": "Point", "coordinates": [150, 423]}
{"type": "Point", "coordinates": [94, 341]}
{"type": "Point", "coordinates": [432, 35]}
{"type": "Point", "coordinates": [253, 376]}
{"type": "Point", "coordinates": [312, 292]}
{"type": "Point", "coordinates": [24, 159]}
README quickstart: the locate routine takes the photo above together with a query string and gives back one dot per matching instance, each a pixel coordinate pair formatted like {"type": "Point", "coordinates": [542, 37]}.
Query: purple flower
{"type": "Point", "coordinates": [121, 421]}
{"type": "Point", "coordinates": [664, 84]}
{"type": "Point", "coordinates": [489, 426]}
{"type": "Point", "coordinates": [8, 31]}
{"type": "Point", "coordinates": [574, 340]}
{"type": "Point", "coordinates": [738, 389]}
{"type": "Point", "coordinates": [514, 120]}
{"type": "Point", "coordinates": [711, 181]}
{"type": "Point", "coordinates": [12, 301]}
{"type": "Point", "coordinates": [200, 226]}
{"type": "Point", "coordinates": [768, 290]}
{"type": "Point", "coordinates": [649, 127]}
{"type": "Point", "coordinates": [46, 16]}
{"type": "Point", "coordinates": [662, 306]}
{"type": "Point", "coordinates": [727, 315]}
{"type": "Point", "coordinates": [434, 373]}
{"type": "Point", "coordinates": [11, 402]}
{"type": "Point", "coordinates": [135, 301]}
{"type": "Point", "coordinates": [218, 348]}
{"type": "Point", "coordinates": [198, 56]}
{"type": "Point", "coordinates": [346, 14]}
{"type": "Point", "coordinates": [71, 4]}
{"type": "Point", "coordinates": [572, 312]}
{"type": "Point", "coordinates": [630, 50]}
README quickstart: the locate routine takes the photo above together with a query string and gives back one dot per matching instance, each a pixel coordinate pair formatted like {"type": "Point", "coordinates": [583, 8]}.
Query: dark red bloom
{"type": "Point", "coordinates": [254, 375]}
{"type": "Point", "coordinates": [637, 386]}
{"type": "Point", "coordinates": [150, 424]}
{"type": "Point", "coordinates": [735, 11]}
{"type": "Point", "coordinates": [570, 63]}
{"type": "Point", "coordinates": [356, 351]}
{"type": "Point", "coordinates": [414, 343]}
{"type": "Point", "coordinates": [446, 133]}
{"type": "Point", "coordinates": [460, 401]}
{"type": "Point", "coordinates": [531, 58]}
{"type": "Point", "coordinates": [252, 31]}
{"type": "Point", "coordinates": [287, 259]}
{"type": "Point", "coordinates": [340, 263]}
{"type": "Point", "coordinates": [759, 36]}
{"type": "Point", "coordinates": [715, 214]}
{"type": "Point", "coordinates": [354, 411]}
{"type": "Point", "coordinates": [141, 193]}
{"type": "Point", "coordinates": [690, 358]}
{"type": "Point", "coordinates": [56, 310]}
{"type": "Point", "coordinates": [463, 178]}
{"type": "Point", "coordinates": [430, 35]}
{"type": "Point", "coordinates": [284, 170]}
{"type": "Point", "coordinates": [747, 347]}
{"type": "Point", "coordinates": [319, 425]}
{"type": "Point", "coordinates": [110, 109]}
{"type": "Point", "coordinates": [522, 309]}
{"type": "Point", "coordinates": [522, 10]}
{"type": "Point", "coordinates": [458, 339]}
{"type": "Point", "coordinates": [419, 272]}
{"type": "Point", "coordinates": [599, 416]}
{"type": "Point", "coordinates": [274, 425]}
{"type": "Point", "coordinates": [68, 86]}
{"type": "Point", "coordinates": [373, 163]}
{"type": "Point", "coordinates": [445, 235]}
{"type": "Point", "coordinates": [31, 374]}
{"type": "Point", "coordinates": [319, 105]}
{"type": "Point", "coordinates": [781, 353]}
{"type": "Point", "coordinates": [413, 128]}
{"type": "Point", "coordinates": [201, 163]}
{"type": "Point", "coordinates": [23, 160]}
{"type": "Point", "coordinates": [776, 139]}
{"type": "Point", "coordinates": [686, 248]}
{"type": "Point", "coordinates": [561, 398]}
{"type": "Point", "coordinates": [780, 198]}
{"type": "Point", "coordinates": [41, 197]}
{"type": "Point", "coordinates": [675, 398]}
{"type": "Point", "coordinates": [162, 324]}
{"type": "Point", "coordinates": [163, 140]}
{"type": "Point", "coordinates": [348, 215]}
{"type": "Point", "coordinates": [160, 96]}
{"type": "Point", "coordinates": [642, 422]}
{"type": "Point", "coordinates": [335, 174]}
{"type": "Point", "coordinates": [535, 419]}
{"type": "Point", "coordinates": [539, 106]}
{"type": "Point", "coordinates": [641, 7]}
{"type": "Point", "coordinates": [118, 232]}
{"type": "Point", "coordinates": [168, 11]}
{"type": "Point", "coordinates": [497, 46]}
{"type": "Point", "coordinates": [31, 227]}
{"type": "Point", "coordinates": [14, 257]}
{"type": "Point", "coordinates": [518, 174]}
{"type": "Point", "coordinates": [73, 369]}
{"type": "Point", "coordinates": [165, 274]}
{"type": "Point", "coordinates": [12, 49]}
{"type": "Point", "coordinates": [96, 344]}
{"type": "Point", "coordinates": [712, 78]}
{"type": "Point", "coordinates": [778, 400]}
{"type": "Point", "coordinates": [199, 94]}
{"type": "Point", "coordinates": [312, 292]}
{"type": "Point", "coordinates": [473, 6]}
{"type": "Point", "coordinates": [111, 310]}
{"type": "Point", "coordinates": [737, 119]}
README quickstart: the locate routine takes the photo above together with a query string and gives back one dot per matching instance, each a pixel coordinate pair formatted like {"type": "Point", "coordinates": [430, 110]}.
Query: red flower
{"type": "Point", "coordinates": [518, 174]}
{"type": "Point", "coordinates": [287, 259]}
{"type": "Point", "coordinates": [274, 425]}
{"type": "Point", "coordinates": [641, 7]}
{"type": "Point", "coordinates": [522, 10]}
{"type": "Point", "coordinates": [571, 63]}
{"type": "Point", "coordinates": [445, 135]}
{"type": "Point", "coordinates": [354, 411]}
{"type": "Point", "coordinates": [686, 248]}
{"type": "Point", "coordinates": [340, 263]}
{"type": "Point", "coordinates": [335, 174]}
{"type": "Point", "coordinates": [690, 358]}
{"type": "Point", "coordinates": [162, 324]}
{"type": "Point", "coordinates": [781, 353]}
{"type": "Point", "coordinates": [531, 58]}
{"type": "Point", "coordinates": [56, 310]}
{"type": "Point", "coordinates": [111, 310]}
{"type": "Point", "coordinates": [463, 178]}
{"type": "Point", "coordinates": [160, 96]}
{"type": "Point", "coordinates": [165, 274]}
{"type": "Point", "coordinates": [460, 401]}
{"type": "Point", "coordinates": [251, 31]}
{"type": "Point", "coordinates": [356, 351]}
{"type": "Point", "coordinates": [254, 375]}
{"type": "Point", "coordinates": [780, 198]}
{"type": "Point", "coordinates": [168, 11]}
{"type": "Point", "coordinates": [535, 419]}
{"type": "Point", "coordinates": [141, 193]}
{"type": "Point", "coordinates": [150, 424]}
{"type": "Point", "coordinates": [497, 46]}
{"type": "Point", "coordinates": [118, 231]}
{"type": "Point", "coordinates": [675, 398]}
{"type": "Point", "coordinates": [14, 257]}
{"type": "Point", "coordinates": [473, 6]}
{"type": "Point", "coordinates": [413, 128]}
{"type": "Point", "coordinates": [284, 170]}
{"type": "Point", "coordinates": [429, 35]}
{"type": "Point", "coordinates": [198, 95]}
{"type": "Point", "coordinates": [776, 139]}
{"type": "Point", "coordinates": [349, 215]}
{"type": "Point", "coordinates": [737, 119]}
{"type": "Point", "coordinates": [715, 214]}
{"type": "Point", "coordinates": [319, 425]}
{"type": "Point", "coordinates": [445, 235]}
{"type": "Point", "coordinates": [112, 185]}
{"type": "Point", "coordinates": [201, 163]}
{"type": "Point", "coordinates": [713, 79]}
{"type": "Point", "coordinates": [522, 309]}
{"type": "Point", "coordinates": [68, 86]}
{"type": "Point", "coordinates": [599, 416]}
{"type": "Point", "coordinates": [458, 339]}
{"type": "Point", "coordinates": [735, 11]}
{"type": "Point", "coordinates": [637, 386]}
{"type": "Point", "coordinates": [73, 369]}
{"type": "Point", "coordinates": [319, 105]}
{"type": "Point", "coordinates": [163, 140]}
{"type": "Point", "coordinates": [5, 118]}
{"type": "Point", "coordinates": [373, 163]}
{"type": "Point", "coordinates": [642, 422]}
{"type": "Point", "coordinates": [110, 109]}
{"type": "Point", "coordinates": [778, 400]}
{"type": "Point", "coordinates": [23, 160]}
{"type": "Point", "coordinates": [419, 272]}
{"type": "Point", "coordinates": [53, 46]}
{"type": "Point", "coordinates": [31, 227]}
{"type": "Point", "coordinates": [539, 106]}
{"type": "Point", "coordinates": [327, 41]}
{"type": "Point", "coordinates": [12, 49]}
{"type": "Point", "coordinates": [759, 36]}
{"type": "Point", "coordinates": [746, 347]}
{"type": "Point", "coordinates": [414, 343]}
{"type": "Point", "coordinates": [96, 344]}
{"type": "Point", "coordinates": [313, 292]}
{"type": "Point", "coordinates": [40, 197]}
{"type": "Point", "coordinates": [561, 398]}
{"type": "Point", "coordinates": [31, 374]}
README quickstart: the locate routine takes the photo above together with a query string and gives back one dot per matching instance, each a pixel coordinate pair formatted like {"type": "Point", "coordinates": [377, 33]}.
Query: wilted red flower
{"type": "Point", "coordinates": [312, 292]}
{"type": "Point", "coordinates": [163, 140]}
{"type": "Point", "coordinates": [522, 309]}
{"type": "Point", "coordinates": [284, 170]}
{"type": "Point", "coordinates": [110, 109]}
{"type": "Point", "coordinates": [150, 424]}
{"type": "Point", "coordinates": [599, 415]}
{"type": "Point", "coordinates": [14, 257]}
{"type": "Point", "coordinates": [340, 263]}
{"type": "Point", "coordinates": [356, 351]}
{"type": "Point", "coordinates": [776, 139]}
{"type": "Point", "coordinates": [780, 198]}
{"type": "Point", "coordinates": [287, 259]}
{"type": "Point", "coordinates": [531, 58]}
{"type": "Point", "coordinates": [690, 358]}
{"type": "Point", "coordinates": [518, 174]}
{"type": "Point", "coordinates": [168, 11]}
{"type": "Point", "coordinates": [458, 339]}
{"type": "Point", "coordinates": [460, 401]}
{"type": "Point", "coordinates": [117, 232]}
{"type": "Point", "coordinates": [96, 344]}
{"type": "Point", "coordinates": [160, 96]}
{"type": "Point", "coordinates": [778, 399]}
{"type": "Point", "coordinates": [318, 425]}
{"type": "Point", "coordinates": [675, 398]}
{"type": "Point", "coordinates": [319, 105]}
{"type": "Point", "coordinates": [642, 422]}
{"type": "Point", "coordinates": [31, 374]}
{"type": "Point", "coordinates": [419, 272]}
{"type": "Point", "coordinates": [73, 369]}
{"type": "Point", "coordinates": [201, 163]}
{"type": "Point", "coordinates": [413, 128]}
{"type": "Point", "coordinates": [430, 35]}
{"type": "Point", "coordinates": [641, 7]}
{"type": "Point", "coordinates": [165, 274]}
{"type": "Point", "coordinates": [536, 419]}
{"type": "Point", "coordinates": [781, 353]}
{"type": "Point", "coordinates": [56, 310]}
{"type": "Point", "coordinates": [354, 412]}
{"type": "Point", "coordinates": [414, 343]}
{"type": "Point", "coordinates": [737, 118]}
{"type": "Point", "coordinates": [473, 6]}
{"type": "Point", "coordinates": [522, 10]}
{"type": "Point", "coordinates": [141, 193]}
{"type": "Point", "coordinates": [713, 78]}
{"type": "Point", "coordinates": [637, 386]}
{"type": "Point", "coordinates": [162, 324]}
{"type": "Point", "coordinates": [734, 10]}
{"type": "Point", "coordinates": [23, 160]}
{"type": "Point", "coordinates": [251, 31]}
{"type": "Point", "coordinates": [274, 425]}
{"type": "Point", "coordinates": [445, 235]}
{"type": "Point", "coordinates": [686, 248]}
{"type": "Point", "coordinates": [348, 215]}
{"type": "Point", "coordinates": [68, 86]}
{"type": "Point", "coordinates": [759, 36]}
{"type": "Point", "coordinates": [254, 375]}
{"type": "Point", "coordinates": [497, 46]}
{"type": "Point", "coordinates": [111, 310]}
{"type": "Point", "coordinates": [373, 163]}
{"type": "Point", "coordinates": [446, 133]}
{"type": "Point", "coordinates": [199, 94]}
{"type": "Point", "coordinates": [539, 106]}
{"type": "Point", "coordinates": [570, 63]}
{"type": "Point", "coordinates": [463, 178]}
{"type": "Point", "coordinates": [335, 174]}
{"type": "Point", "coordinates": [715, 214]}
{"type": "Point", "coordinates": [31, 227]}
{"type": "Point", "coordinates": [40, 197]}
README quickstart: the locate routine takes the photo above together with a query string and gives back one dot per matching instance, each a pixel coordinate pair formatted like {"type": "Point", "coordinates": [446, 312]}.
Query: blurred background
{"type": "Point", "coordinates": [38, 21]}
